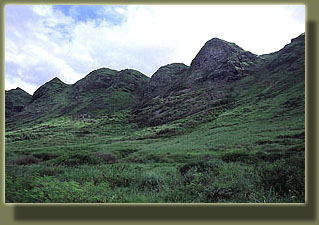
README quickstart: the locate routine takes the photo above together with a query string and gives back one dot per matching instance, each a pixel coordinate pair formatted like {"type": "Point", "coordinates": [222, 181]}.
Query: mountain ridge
{"type": "Point", "coordinates": [209, 79]}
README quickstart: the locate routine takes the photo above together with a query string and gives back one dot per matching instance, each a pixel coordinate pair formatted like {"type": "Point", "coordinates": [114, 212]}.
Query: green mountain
{"type": "Point", "coordinates": [176, 91]}
{"type": "Point", "coordinates": [107, 91]}
{"type": "Point", "coordinates": [228, 128]}
{"type": "Point", "coordinates": [16, 100]}
{"type": "Point", "coordinates": [173, 92]}
{"type": "Point", "coordinates": [101, 91]}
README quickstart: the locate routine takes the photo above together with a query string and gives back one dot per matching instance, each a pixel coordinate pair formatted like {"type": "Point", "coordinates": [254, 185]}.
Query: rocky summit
{"type": "Point", "coordinates": [228, 128]}
{"type": "Point", "coordinates": [219, 60]}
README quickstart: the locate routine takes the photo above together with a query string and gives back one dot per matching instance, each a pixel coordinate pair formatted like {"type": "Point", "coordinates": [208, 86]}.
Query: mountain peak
{"type": "Point", "coordinates": [176, 67]}
{"type": "Point", "coordinates": [215, 52]}
{"type": "Point", "coordinates": [217, 41]}
{"type": "Point", "coordinates": [103, 71]}
{"type": "Point", "coordinates": [56, 79]}
{"type": "Point", "coordinates": [18, 89]}
{"type": "Point", "coordinates": [50, 87]}
{"type": "Point", "coordinates": [220, 60]}
{"type": "Point", "coordinates": [164, 77]}
{"type": "Point", "coordinates": [16, 100]}
{"type": "Point", "coordinates": [99, 78]}
{"type": "Point", "coordinates": [301, 37]}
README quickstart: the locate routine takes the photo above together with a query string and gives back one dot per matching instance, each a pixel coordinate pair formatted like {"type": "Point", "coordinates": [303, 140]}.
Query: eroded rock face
{"type": "Point", "coordinates": [211, 55]}
{"type": "Point", "coordinates": [104, 78]}
{"type": "Point", "coordinates": [164, 77]}
{"type": "Point", "coordinates": [100, 78]}
{"type": "Point", "coordinates": [219, 60]}
{"type": "Point", "coordinates": [176, 90]}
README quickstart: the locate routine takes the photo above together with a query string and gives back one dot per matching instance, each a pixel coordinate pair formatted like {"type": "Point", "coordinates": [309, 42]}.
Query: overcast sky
{"type": "Point", "coordinates": [43, 42]}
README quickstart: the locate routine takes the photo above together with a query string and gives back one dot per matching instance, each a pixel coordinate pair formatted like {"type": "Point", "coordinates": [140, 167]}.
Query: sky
{"type": "Point", "coordinates": [69, 41]}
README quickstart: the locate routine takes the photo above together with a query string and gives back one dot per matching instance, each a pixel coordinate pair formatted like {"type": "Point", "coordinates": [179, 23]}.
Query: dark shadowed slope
{"type": "Point", "coordinates": [16, 101]}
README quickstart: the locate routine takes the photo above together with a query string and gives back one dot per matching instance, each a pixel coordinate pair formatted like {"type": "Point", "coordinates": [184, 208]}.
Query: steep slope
{"type": "Point", "coordinates": [176, 91]}
{"type": "Point", "coordinates": [107, 91]}
{"type": "Point", "coordinates": [219, 60]}
{"type": "Point", "coordinates": [15, 101]}
{"type": "Point", "coordinates": [49, 90]}
{"type": "Point", "coordinates": [281, 77]}
{"type": "Point", "coordinates": [101, 91]}
{"type": "Point", "coordinates": [46, 103]}
{"type": "Point", "coordinates": [165, 79]}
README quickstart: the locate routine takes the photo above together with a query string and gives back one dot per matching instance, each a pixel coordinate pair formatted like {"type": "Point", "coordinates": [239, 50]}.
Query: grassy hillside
{"type": "Point", "coordinates": [237, 141]}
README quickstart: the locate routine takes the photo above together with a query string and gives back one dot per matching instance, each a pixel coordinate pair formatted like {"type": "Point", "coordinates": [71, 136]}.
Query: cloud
{"type": "Point", "coordinates": [42, 42]}
{"type": "Point", "coordinates": [16, 81]}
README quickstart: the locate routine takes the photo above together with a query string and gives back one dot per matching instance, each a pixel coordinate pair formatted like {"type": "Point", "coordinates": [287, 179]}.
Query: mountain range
{"type": "Point", "coordinates": [174, 91]}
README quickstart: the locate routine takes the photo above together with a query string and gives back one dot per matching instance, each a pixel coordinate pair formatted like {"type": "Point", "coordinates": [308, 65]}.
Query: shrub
{"type": "Point", "coordinates": [24, 160]}
{"type": "Point", "coordinates": [284, 177]}
{"type": "Point", "coordinates": [200, 167]}
{"type": "Point", "coordinates": [106, 157]}
{"type": "Point", "coordinates": [271, 156]}
{"type": "Point", "coordinates": [237, 155]}
{"type": "Point", "coordinates": [50, 171]}
{"type": "Point", "coordinates": [45, 156]}
{"type": "Point", "coordinates": [77, 158]}
{"type": "Point", "coordinates": [220, 193]}
{"type": "Point", "coordinates": [126, 152]}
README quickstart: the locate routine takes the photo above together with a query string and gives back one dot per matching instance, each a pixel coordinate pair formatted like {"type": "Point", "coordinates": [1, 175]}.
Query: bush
{"type": "Point", "coordinates": [106, 157]}
{"type": "Point", "coordinates": [76, 159]}
{"type": "Point", "coordinates": [237, 155]}
{"type": "Point", "coordinates": [24, 160]}
{"type": "Point", "coordinates": [50, 171]}
{"type": "Point", "coordinates": [45, 156]}
{"type": "Point", "coordinates": [203, 167]}
{"type": "Point", "coordinates": [126, 152]}
{"type": "Point", "coordinates": [285, 177]}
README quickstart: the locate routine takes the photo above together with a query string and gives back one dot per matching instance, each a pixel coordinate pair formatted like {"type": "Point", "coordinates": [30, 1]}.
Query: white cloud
{"type": "Point", "coordinates": [41, 42]}
{"type": "Point", "coordinates": [120, 10]}
{"type": "Point", "coordinates": [15, 82]}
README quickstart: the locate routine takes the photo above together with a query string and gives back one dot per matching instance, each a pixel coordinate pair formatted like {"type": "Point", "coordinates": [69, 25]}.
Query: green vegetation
{"type": "Point", "coordinates": [16, 100]}
{"type": "Point", "coordinates": [239, 141]}
{"type": "Point", "coordinates": [234, 157]}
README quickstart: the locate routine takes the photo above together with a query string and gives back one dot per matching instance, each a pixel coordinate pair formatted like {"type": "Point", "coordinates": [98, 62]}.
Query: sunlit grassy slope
{"type": "Point", "coordinates": [250, 148]}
